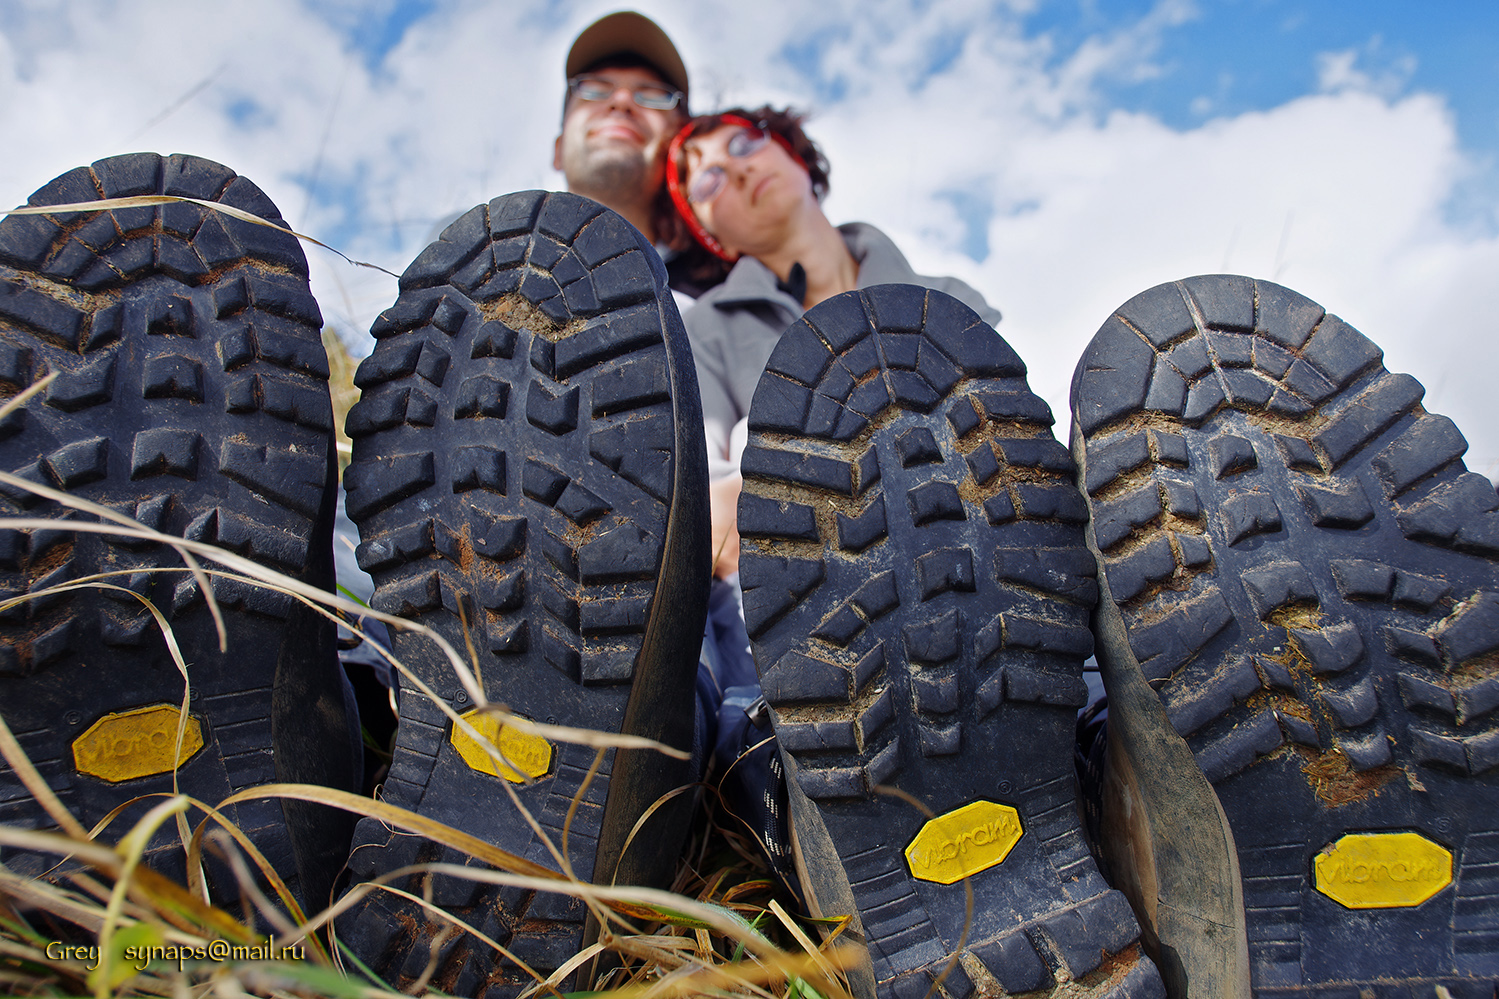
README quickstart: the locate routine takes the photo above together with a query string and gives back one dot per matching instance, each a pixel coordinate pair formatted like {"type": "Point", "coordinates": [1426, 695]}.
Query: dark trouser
{"type": "Point", "coordinates": [735, 722]}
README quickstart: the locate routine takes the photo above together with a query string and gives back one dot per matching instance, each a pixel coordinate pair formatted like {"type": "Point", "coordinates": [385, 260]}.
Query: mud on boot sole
{"type": "Point", "coordinates": [917, 592]}
{"type": "Point", "coordinates": [1306, 575]}
{"type": "Point", "coordinates": [191, 395]}
{"type": "Point", "coordinates": [528, 457]}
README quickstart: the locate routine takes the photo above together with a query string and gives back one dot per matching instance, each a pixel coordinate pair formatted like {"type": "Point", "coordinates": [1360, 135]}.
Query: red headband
{"type": "Point", "coordinates": [679, 197]}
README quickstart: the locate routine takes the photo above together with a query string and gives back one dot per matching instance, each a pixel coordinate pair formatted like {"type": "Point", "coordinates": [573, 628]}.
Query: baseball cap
{"type": "Point", "coordinates": [626, 31]}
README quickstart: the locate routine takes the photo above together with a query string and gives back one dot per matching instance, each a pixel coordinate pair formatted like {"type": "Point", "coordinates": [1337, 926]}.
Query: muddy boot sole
{"type": "Point", "coordinates": [191, 395]}
{"type": "Point", "coordinates": [917, 592]}
{"type": "Point", "coordinates": [1296, 561]}
{"type": "Point", "coordinates": [529, 459]}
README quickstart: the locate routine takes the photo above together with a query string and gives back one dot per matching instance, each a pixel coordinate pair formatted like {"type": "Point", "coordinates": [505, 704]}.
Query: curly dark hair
{"type": "Point", "coordinates": [700, 266]}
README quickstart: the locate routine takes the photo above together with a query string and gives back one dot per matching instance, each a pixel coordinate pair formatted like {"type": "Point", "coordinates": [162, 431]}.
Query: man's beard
{"type": "Point", "coordinates": [611, 176]}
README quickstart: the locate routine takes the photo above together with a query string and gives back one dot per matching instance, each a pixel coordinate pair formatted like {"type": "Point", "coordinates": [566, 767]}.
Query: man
{"type": "Point", "coordinates": [627, 97]}
{"type": "Point", "coordinates": [622, 73]}
{"type": "Point", "coordinates": [613, 149]}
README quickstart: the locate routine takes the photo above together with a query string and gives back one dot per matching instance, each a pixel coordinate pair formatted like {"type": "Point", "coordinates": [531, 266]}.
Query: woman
{"type": "Point", "coordinates": [747, 187]}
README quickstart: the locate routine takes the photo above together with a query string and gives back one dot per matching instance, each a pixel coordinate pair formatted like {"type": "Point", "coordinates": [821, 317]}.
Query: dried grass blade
{"type": "Point", "coordinates": [646, 950]}
{"type": "Point", "coordinates": [801, 937]}
{"type": "Point", "coordinates": [132, 849]}
{"type": "Point", "coordinates": [194, 860]}
{"type": "Point", "coordinates": [583, 736]}
{"type": "Point", "coordinates": [468, 641]}
{"type": "Point", "coordinates": [465, 927]}
{"type": "Point", "coordinates": [40, 841]}
{"type": "Point", "coordinates": [152, 200]}
{"type": "Point", "coordinates": [179, 545]}
{"type": "Point", "coordinates": [257, 573]}
{"type": "Point", "coordinates": [15, 403]}
{"type": "Point", "coordinates": [721, 921]}
{"type": "Point", "coordinates": [169, 898]}
{"type": "Point", "coordinates": [646, 817]}
{"type": "Point", "coordinates": [549, 985]}
{"type": "Point", "coordinates": [625, 899]}
{"type": "Point", "coordinates": [33, 782]}
{"type": "Point", "coordinates": [272, 876]}
{"type": "Point", "coordinates": [751, 974]}
{"type": "Point", "coordinates": [26, 952]}
{"type": "Point", "coordinates": [49, 898]}
{"type": "Point", "coordinates": [249, 890]}
{"type": "Point", "coordinates": [401, 818]}
{"type": "Point", "coordinates": [281, 978]}
{"type": "Point", "coordinates": [563, 860]}
{"type": "Point", "coordinates": [184, 833]}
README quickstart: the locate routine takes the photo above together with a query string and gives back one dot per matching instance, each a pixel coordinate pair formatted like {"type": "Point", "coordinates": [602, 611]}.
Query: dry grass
{"type": "Point", "coordinates": [720, 930]}
{"type": "Point", "coordinates": [341, 367]}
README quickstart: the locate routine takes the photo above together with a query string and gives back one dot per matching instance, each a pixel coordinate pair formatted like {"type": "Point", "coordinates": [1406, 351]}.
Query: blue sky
{"type": "Point", "coordinates": [1060, 156]}
{"type": "Point", "coordinates": [1226, 57]}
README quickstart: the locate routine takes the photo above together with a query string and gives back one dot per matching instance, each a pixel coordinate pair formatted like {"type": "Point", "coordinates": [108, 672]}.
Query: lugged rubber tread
{"type": "Point", "coordinates": [147, 417]}
{"type": "Point", "coordinates": [1329, 655]}
{"type": "Point", "coordinates": [528, 459]}
{"type": "Point", "coordinates": [901, 635]}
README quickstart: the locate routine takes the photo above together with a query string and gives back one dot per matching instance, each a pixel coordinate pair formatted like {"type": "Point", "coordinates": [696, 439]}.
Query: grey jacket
{"type": "Point", "coordinates": [734, 327]}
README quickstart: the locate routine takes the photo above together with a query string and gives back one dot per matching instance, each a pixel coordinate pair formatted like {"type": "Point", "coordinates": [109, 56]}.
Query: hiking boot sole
{"type": "Point", "coordinates": [917, 592]}
{"type": "Point", "coordinates": [529, 459]}
{"type": "Point", "coordinates": [1295, 559]}
{"type": "Point", "coordinates": [191, 395]}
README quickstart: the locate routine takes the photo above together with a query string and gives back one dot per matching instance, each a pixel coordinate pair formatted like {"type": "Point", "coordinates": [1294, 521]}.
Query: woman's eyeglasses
{"type": "Point", "coordinates": [749, 138]}
{"type": "Point", "coordinates": [708, 184]}
{"type": "Point", "coordinates": [596, 88]}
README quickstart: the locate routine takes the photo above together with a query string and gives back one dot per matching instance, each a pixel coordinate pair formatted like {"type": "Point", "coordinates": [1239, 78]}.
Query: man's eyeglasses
{"type": "Point", "coordinates": [746, 141]}
{"type": "Point", "coordinates": [596, 88]}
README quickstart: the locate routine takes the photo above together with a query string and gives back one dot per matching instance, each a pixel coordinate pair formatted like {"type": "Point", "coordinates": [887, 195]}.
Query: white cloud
{"type": "Point", "coordinates": [1340, 194]}
{"type": "Point", "coordinates": [1127, 54]}
{"type": "Point", "coordinates": [1339, 71]}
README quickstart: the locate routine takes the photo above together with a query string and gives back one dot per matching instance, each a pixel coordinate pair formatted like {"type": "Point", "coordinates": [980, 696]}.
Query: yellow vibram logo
{"type": "Point", "coordinates": [129, 745]}
{"type": "Point", "coordinates": [964, 842]}
{"type": "Point", "coordinates": [528, 754]}
{"type": "Point", "coordinates": [1382, 870]}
